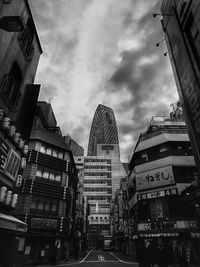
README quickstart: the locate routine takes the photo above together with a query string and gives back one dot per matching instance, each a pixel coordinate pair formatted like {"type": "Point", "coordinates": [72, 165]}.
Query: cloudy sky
{"type": "Point", "coordinates": [103, 51]}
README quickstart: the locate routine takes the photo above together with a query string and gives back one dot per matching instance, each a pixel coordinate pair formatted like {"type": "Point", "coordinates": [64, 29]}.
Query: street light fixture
{"type": "Point", "coordinates": [160, 42]}
{"type": "Point", "coordinates": [12, 23]}
{"type": "Point", "coordinates": [157, 14]}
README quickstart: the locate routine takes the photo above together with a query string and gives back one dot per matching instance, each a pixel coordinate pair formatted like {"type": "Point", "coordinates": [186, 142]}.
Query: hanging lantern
{"type": "Point", "coordinates": [1, 114]}
{"type": "Point", "coordinates": [21, 143]}
{"type": "Point", "coordinates": [6, 123]}
{"type": "Point", "coordinates": [12, 130]}
{"type": "Point", "coordinates": [16, 137]}
{"type": "Point", "coordinates": [25, 150]}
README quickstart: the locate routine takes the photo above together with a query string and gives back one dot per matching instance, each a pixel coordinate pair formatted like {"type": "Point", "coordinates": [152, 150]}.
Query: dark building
{"type": "Point", "coordinates": [162, 168]}
{"type": "Point", "coordinates": [47, 201]}
{"type": "Point", "coordinates": [181, 26]}
{"type": "Point", "coordinates": [19, 56]}
{"type": "Point", "coordinates": [76, 149]}
{"type": "Point", "coordinates": [103, 129]}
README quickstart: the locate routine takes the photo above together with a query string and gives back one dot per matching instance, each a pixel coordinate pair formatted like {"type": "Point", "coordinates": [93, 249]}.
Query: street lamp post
{"type": "Point", "coordinates": [12, 23]}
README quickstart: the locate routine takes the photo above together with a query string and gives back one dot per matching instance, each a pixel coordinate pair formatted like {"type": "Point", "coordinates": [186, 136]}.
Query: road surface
{"type": "Point", "coordinates": [100, 259]}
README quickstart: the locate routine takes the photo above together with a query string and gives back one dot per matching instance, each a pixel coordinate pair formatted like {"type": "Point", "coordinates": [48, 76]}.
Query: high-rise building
{"type": "Point", "coordinates": [103, 129]}
{"type": "Point", "coordinates": [103, 171]}
{"type": "Point", "coordinates": [97, 187]}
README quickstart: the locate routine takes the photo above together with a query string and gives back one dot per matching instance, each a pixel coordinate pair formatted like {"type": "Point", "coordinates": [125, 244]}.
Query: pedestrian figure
{"type": "Point", "coordinates": [162, 254]}
{"type": "Point", "coordinates": [181, 254]}
{"type": "Point", "coordinates": [152, 253]}
{"type": "Point", "coordinates": [51, 255]}
{"type": "Point", "coordinates": [76, 248]}
{"type": "Point", "coordinates": [144, 254]}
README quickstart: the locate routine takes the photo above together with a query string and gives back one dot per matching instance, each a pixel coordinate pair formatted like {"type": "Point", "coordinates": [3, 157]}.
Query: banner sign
{"type": "Point", "coordinates": [42, 223]}
{"type": "Point", "coordinates": [155, 178]}
{"type": "Point", "coordinates": [156, 194]}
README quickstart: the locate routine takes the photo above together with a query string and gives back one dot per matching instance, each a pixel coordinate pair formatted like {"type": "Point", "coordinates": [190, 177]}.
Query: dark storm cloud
{"type": "Point", "coordinates": [126, 128]}
{"type": "Point", "coordinates": [145, 74]}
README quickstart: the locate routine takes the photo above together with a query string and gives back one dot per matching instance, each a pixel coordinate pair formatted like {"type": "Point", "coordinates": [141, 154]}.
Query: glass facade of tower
{"type": "Point", "coordinates": [103, 129]}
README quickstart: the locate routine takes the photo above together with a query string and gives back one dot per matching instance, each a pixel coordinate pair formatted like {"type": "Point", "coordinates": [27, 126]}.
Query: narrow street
{"type": "Point", "coordinates": [100, 258]}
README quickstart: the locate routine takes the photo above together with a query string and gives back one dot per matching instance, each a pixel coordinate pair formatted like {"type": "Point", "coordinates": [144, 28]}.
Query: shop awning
{"type": "Point", "coordinates": [12, 223]}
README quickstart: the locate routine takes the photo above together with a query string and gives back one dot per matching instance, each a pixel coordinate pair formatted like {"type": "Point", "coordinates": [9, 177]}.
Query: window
{"type": "Point", "coordinates": [51, 151]}
{"type": "Point", "coordinates": [49, 174]}
{"type": "Point", "coordinates": [25, 39]}
{"type": "Point", "coordinates": [48, 151]}
{"type": "Point", "coordinates": [44, 205]}
{"type": "Point", "coordinates": [40, 206]}
{"type": "Point", "coordinates": [193, 34]}
{"type": "Point", "coordinates": [54, 207]}
{"type": "Point", "coordinates": [43, 149]}
{"type": "Point", "coordinates": [60, 155]}
{"type": "Point", "coordinates": [45, 174]}
{"type": "Point", "coordinates": [10, 87]}
{"type": "Point", "coordinates": [163, 149]}
{"type": "Point", "coordinates": [39, 173]}
{"type": "Point", "coordinates": [47, 206]}
{"type": "Point", "coordinates": [58, 177]}
{"type": "Point", "coordinates": [55, 153]}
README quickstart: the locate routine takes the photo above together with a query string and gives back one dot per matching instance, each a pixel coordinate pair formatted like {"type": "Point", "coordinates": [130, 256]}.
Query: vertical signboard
{"type": "Point", "coordinates": [4, 150]}
{"type": "Point", "coordinates": [189, 89]}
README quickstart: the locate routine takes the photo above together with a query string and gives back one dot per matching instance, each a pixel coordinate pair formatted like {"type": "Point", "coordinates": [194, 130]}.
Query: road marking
{"type": "Point", "coordinates": [86, 255]}
{"type": "Point", "coordinates": [72, 263]}
{"type": "Point", "coordinates": [126, 262]}
{"type": "Point", "coordinates": [102, 262]}
{"type": "Point", "coordinates": [101, 258]}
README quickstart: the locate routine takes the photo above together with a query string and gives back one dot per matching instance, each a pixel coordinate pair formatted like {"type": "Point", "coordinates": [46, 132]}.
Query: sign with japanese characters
{"type": "Point", "coordinates": [4, 151]}
{"type": "Point", "coordinates": [13, 164]}
{"type": "Point", "coordinates": [155, 178]}
{"type": "Point", "coordinates": [42, 223]}
{"type": "Point", "coordinates": [157, 194]}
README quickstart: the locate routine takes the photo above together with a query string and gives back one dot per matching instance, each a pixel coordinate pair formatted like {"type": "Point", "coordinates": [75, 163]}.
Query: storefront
{"type": "Point", "coordinates": [180, 236]}
{"type": "Point", "coordinates": [10, 232]}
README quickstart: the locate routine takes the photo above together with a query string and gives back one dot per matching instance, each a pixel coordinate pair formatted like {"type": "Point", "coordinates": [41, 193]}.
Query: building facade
{"type": "Point", "coordinates": [181, 26]}
{"type": "Point", "coordinates": [19, 56]}
{"type": "Point", "coordinates": [47, 201]}
{"type": "Point", "coordinates": [97, 186]}
{"type": "Point", "coordinates": [103, 129]}
{"type": "Point", "coordinates": [103, 171]}
{"type": "Point", "coordinates": [120, 220]}
{"type": "Point", "coordinates": [161, 169]}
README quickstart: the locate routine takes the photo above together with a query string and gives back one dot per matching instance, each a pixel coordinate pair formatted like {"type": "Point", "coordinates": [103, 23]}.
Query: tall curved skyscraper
{"type": "Point", "coordinates": [103, 129]}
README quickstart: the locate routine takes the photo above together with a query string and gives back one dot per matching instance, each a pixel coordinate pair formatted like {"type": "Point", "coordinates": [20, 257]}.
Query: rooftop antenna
{"type": "Point", "coordinates": [50, 99]}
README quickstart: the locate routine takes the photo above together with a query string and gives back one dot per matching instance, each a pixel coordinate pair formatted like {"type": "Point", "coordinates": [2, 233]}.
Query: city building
{"type": "Point", "coordinates": [120, 220]}
{"type": "Point", "coordinates": [97, 186]}
{"type": "Point", "coordinates": [76, 149]}
{"type": "Point", "coordinates": [47, 201]}
{"type": "Point", "coordinates": [161, 169]}
{"type": "Point", "coordinates": [103, 171]}
{"type": "Point", "coordinates": [19, 55]}
{"type": "Point", "coordinates": [181, 26]}
{"type": "Point", "coordinates": [103, 129]}
{"type": "Point", "coordinates": [80, 205]}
